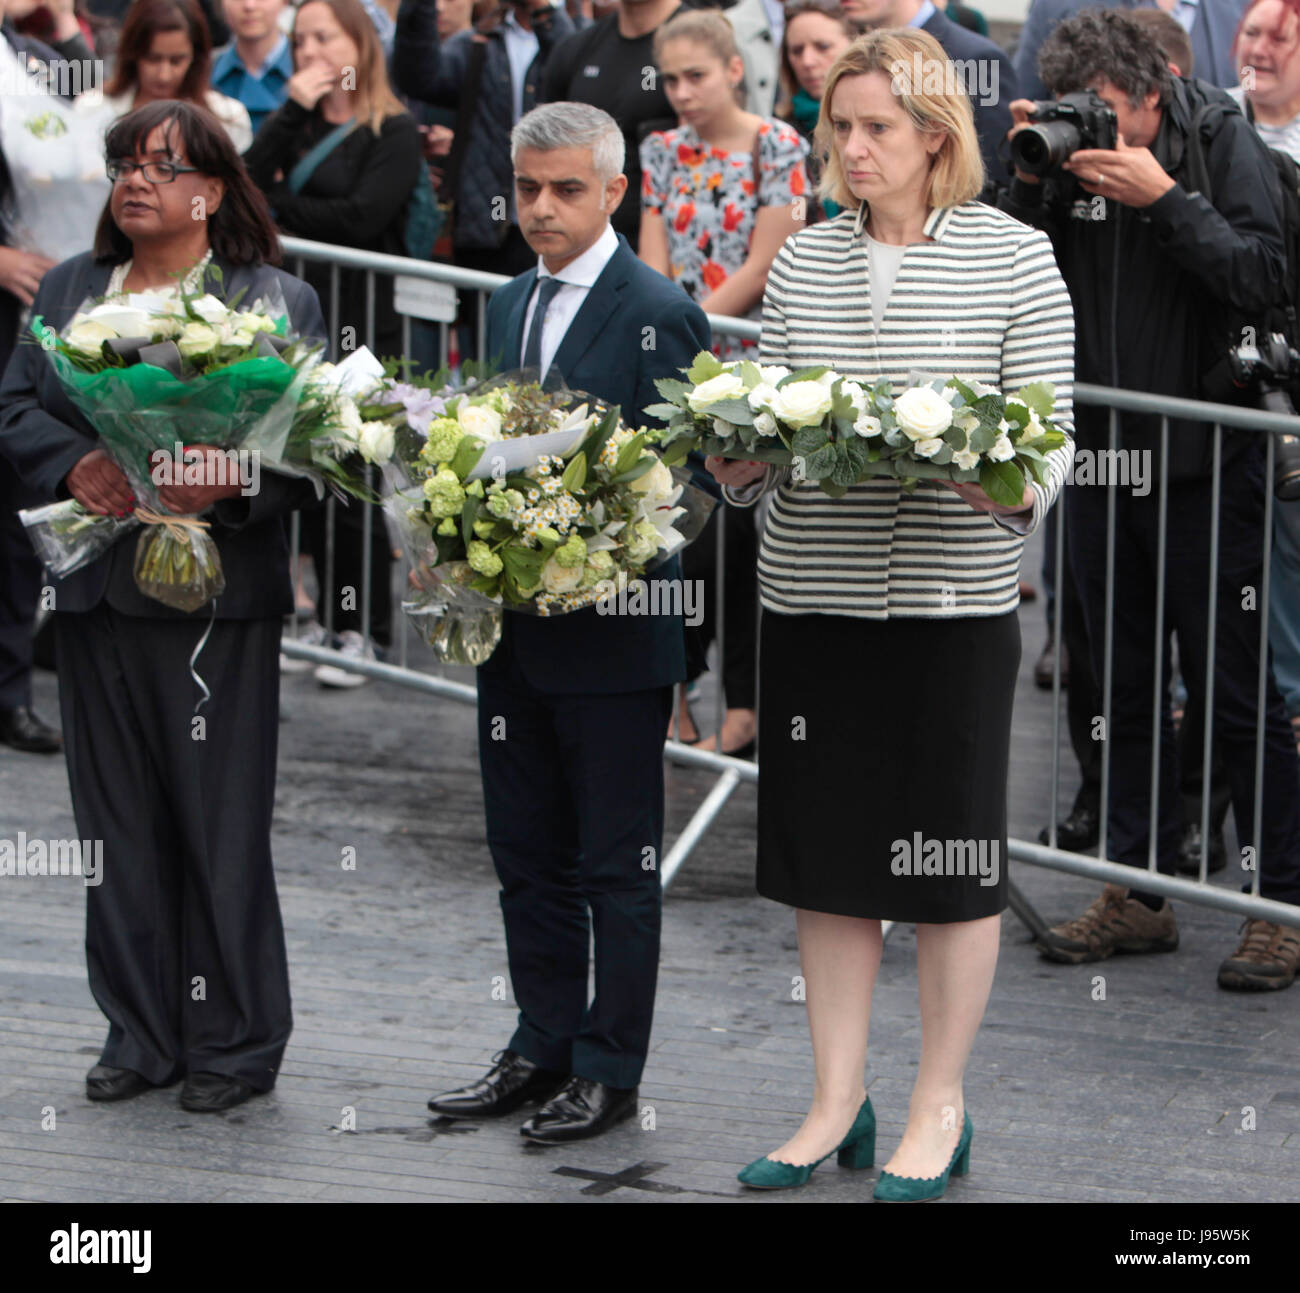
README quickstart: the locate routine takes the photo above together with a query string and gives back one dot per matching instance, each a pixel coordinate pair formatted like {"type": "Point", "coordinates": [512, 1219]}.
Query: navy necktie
{"type": "Point", "coordinates": [533, 347]}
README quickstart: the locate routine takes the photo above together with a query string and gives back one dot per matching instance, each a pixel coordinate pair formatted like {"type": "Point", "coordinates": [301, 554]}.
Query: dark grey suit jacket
{"type": "Point", "coordinates": [44, 436]}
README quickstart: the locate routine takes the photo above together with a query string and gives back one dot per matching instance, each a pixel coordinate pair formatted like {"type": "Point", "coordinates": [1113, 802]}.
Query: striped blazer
{"type": "Point", "coordinates": [983, 300]}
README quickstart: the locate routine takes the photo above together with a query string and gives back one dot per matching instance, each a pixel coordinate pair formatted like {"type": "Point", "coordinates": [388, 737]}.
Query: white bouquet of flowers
{"type": "Point", "coordinates": [838, 432]}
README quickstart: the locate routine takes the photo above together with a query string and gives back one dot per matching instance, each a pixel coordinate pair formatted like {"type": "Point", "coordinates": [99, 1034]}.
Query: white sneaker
{"type": "Point", "coordinates": [354, 647]}
{"type": "Point", "coordinates": [312, 634]}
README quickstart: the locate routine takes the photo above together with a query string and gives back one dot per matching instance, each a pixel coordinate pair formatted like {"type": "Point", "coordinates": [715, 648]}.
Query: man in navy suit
{"type": "Point", "coordinates": [990, 79]}
{"type": "Point", "coordinates": [1210, 23]}
{"type": "Point", "coordinates": [573, 710]}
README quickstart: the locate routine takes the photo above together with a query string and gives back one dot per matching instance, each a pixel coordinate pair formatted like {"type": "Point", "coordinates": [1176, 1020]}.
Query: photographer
{"type": "Point", "coordinates": [1155, 268]}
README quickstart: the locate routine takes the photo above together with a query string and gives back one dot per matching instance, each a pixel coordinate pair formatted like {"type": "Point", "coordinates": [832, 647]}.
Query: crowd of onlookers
{"type": "Point", "coordinates": [342, 108]}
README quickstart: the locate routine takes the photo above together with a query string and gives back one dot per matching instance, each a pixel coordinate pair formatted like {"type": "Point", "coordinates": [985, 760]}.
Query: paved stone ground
{"type": "Point", "coordinates": [1140, 1097]}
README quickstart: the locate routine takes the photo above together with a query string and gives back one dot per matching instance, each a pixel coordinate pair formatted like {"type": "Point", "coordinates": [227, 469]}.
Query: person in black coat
{"type": "Point", "coordinates": [184, 944]}
{"type": "Point", "coordinates": [573, 710]}
{"type": "Point", "coordinates": [20, 570]}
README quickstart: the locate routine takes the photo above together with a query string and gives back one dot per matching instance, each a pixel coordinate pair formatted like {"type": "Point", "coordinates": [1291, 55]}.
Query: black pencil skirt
{"type": "Point", "coordinates": [884, 747]}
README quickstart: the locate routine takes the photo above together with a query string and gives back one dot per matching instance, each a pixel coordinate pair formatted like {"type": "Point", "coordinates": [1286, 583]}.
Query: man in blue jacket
{"type": "Point", "coordinates": [573, 710]}
{"type": "Point", "coordinates": [1210, 23]}
{"type": "Point", "coordinates": [989, 78]}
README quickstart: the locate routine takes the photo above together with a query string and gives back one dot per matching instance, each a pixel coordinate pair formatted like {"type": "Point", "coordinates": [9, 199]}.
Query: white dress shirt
{"type": "Point", "coordinates": [577, 276]}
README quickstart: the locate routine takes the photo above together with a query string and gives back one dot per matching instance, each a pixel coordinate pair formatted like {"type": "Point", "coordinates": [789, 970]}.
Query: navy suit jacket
{"type": "Point", "coordinates": [44, 436]}
{"type": "Point", "coordinates": [634, 326]}
{"type": "Point", "coordinates": [1212, 33]}
{"type": "Point", "coordinates": [992, 120]}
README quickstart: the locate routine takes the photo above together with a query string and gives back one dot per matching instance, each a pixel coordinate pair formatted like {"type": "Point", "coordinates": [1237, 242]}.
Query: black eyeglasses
{"type": "Point", "coordinates": [154, 172]}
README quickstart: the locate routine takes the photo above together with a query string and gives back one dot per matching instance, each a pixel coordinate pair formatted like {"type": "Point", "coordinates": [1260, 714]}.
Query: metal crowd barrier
{"type": "Point", "coordinates": [731, 772]}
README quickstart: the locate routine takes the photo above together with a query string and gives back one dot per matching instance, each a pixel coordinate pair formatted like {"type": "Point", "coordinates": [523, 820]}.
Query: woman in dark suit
{"type": "Point", "coordinates": [184, 944]}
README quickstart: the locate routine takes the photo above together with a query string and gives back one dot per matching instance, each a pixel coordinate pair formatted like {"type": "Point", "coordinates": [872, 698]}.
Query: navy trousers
{"type": "Point", "coordinates": [184, 944]}
{"type": "Point", "coordinates": [573, 788]}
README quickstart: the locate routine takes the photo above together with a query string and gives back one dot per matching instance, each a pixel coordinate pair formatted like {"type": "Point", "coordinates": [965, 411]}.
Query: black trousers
{"type": "Point", "coordinates": [573, 788]}
{"type": "Point", "coordinates": [349, 558]}
{"type": "Point", "coordinates": [20, 587]}
{"type": "Point", "coordinates": [1237, 634]}
{"type": "Point", "coordinates": [740, 603]}
{"type": "Point", "coordinates": [184, 945]}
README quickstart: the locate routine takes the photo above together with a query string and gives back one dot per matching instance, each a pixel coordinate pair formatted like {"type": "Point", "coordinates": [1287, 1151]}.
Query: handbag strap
{"type": "Point", "coordinates": [758, 167]}
{"type": "Point", "coordinates": [308, 163]}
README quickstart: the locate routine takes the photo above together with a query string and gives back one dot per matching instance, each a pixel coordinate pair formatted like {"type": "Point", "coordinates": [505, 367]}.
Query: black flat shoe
{"type": "Point", "coordinates": [213, 1092]}
{"type": "Point", "coordinates": [104, 1082]}
{"type": "Point", "coordinates": [1079, 831]}
{"type": "Point", "coordinates": [21, 728]}
{"type": "Point", "coordinates": [510, 1082]}
{"type": "Point", "coordinates": [581, 1108]}
{"type": "Point", "coordinates": [1188, 861]}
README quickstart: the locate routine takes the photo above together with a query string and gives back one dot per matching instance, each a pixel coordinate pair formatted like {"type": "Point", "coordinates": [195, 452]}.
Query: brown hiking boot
{"type": "Point", "coordinates": [1266, 959]}
{"type": "Point", "coordinates": [1114, 923]}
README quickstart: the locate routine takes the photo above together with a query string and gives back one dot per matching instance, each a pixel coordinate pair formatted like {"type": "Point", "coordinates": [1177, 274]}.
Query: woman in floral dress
{"type": "Point", "coordinates": [723, 191]}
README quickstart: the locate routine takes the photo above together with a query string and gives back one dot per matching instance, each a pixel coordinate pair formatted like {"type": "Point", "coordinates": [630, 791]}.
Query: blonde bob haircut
{"type": "Point", "coordinates": [931, 92]}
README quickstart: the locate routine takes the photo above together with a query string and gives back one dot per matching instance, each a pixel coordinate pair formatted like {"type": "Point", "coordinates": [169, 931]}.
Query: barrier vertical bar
{"type": "Point", "coordinates": [1108, 646]}
{"type": "Point", "coordinates": [1261, 690]}
{"type": "Point", "coordinates": [1212, 613]}
{"type": "Point", "coordinates": [1161, 685]}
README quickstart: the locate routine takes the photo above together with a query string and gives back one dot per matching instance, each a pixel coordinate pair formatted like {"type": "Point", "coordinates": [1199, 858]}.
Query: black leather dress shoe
{"type": "Point", "coordinates": [1077, 832]}
{"type": "Point", "coordinates": [21, 728]}
{"type": "Point", "coordinates": [510, 1082]}
{"type": "Point", "coordinates": [104, 1082]}
{"type": "Point", "coordinates": [213, 1092]}
{"type": "Point", "coordinates": [579, 1109]}
{"type": "Point", "coordinates": [1189, 852]}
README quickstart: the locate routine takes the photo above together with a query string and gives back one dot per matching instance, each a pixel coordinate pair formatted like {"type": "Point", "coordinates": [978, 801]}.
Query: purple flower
{"type": "Point", "coordinates": [421, 404]}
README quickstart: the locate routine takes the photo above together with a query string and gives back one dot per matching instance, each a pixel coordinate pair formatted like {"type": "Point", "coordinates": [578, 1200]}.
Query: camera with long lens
{"type": "Point", "coordinates": [1061, 127]}
{"type": "Point", "coordinates": [1271, 370]}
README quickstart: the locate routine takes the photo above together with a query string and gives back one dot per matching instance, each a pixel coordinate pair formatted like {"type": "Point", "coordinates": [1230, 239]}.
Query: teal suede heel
{"type": "Point", "coordinates": [914, 1189]}
{"type": "Point", "coordinates": [856, 1150]}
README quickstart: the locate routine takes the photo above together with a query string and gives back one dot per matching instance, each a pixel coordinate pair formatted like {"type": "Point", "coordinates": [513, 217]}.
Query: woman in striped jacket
{"type": "Point", "coordinates": [890, 641]}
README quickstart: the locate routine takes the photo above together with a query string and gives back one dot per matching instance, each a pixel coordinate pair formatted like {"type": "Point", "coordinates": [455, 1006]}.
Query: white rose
{"type": "Point", "coordinates": [773, 373]}
{"type": "Point", "coordinates": [765, 424]}
{"type": "Point", "coordinates": [827, 379]}
{"type": "Point", "coordinates": [231, 335]}
{"type": "Point", "coordinates": [856, 394]}
{"type": "Point", "coordinates": [88, 337]}
{"type": "Point", "coordinates": [658, 480]}
{"type": "Point", "coordinates": [723, 428]}
{"type": "Point", "coordinates": [560, 579]}
{"type": "Point", "coordinates": [124, 320]}
{"type": "Point", "coordinates": [761, 396]}
{"type": "Point", "coordinates": [349, 422]}
{"type": "Point", "coordinates": [480, 421]}
{"type": "Point", "coordinates": [802, 404]}
{"type": "Point", "coordinates": [927, 448]}
{"type": "Point", "coordinates": [255, 322]}
{"type": "Point", "coordinates": [867, 425]}
{"type": "Point", "coordinates": [166, 327]}
{"type": "Point", "coordinates": [209, 309]}
{"type": "Point", "coordinates": [1003, 450]}
{"type": "Point", "coordinates": [725, 386]}
{"type": "Point", "coordinates": [922, 413]}
{"type": "Point", "coordinates": [376, 442]}
{"type": "Point", "coordinates": [197, 339]}
{"type": "Point", "coordinates": [966, 458]}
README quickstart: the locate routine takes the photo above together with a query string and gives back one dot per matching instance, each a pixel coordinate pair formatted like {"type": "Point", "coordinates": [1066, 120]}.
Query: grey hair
{"type": "Point", "coordinates": [572, 125]}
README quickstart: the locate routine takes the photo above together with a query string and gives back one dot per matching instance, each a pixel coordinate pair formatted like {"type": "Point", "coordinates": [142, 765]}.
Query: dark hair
{"type": "Point", "coordinates": [1104, 42]}
{"type": "Point", "coordinates": [1167, 32]}
{"type": "Point", "coordinates": [789, 82]}
{"type": "Point", "coordinates": [146, 19]}
{"type": "Point", "coordinates": [241, 230]}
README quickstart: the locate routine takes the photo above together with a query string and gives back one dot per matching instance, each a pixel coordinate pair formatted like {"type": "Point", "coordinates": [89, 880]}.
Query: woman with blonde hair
{"type": "Point", "coordinates": [339, 162]}
{"type": "Point", "coordinates": [890, 642]}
